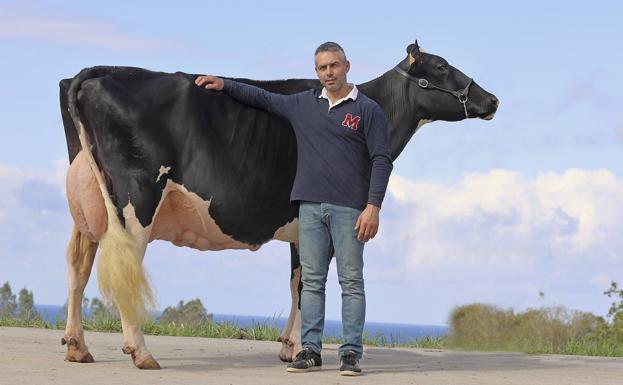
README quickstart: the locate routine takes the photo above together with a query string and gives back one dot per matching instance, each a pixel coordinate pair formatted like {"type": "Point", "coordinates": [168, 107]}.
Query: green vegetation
{"type": "Point", "coordinates": [188, 319]}
{"type": "Point", "coordinates": [552, 330]}
{"type": "Point", "coordinates": [23, 309]}
{"type": "Point", "coordinates": [190, 313]}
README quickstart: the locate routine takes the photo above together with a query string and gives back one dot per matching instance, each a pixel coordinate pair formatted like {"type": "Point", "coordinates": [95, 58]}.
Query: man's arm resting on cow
{"type": "Point", "coordinates": [210, 82]}
{"type": "Point", "coordinates": [248, 94]}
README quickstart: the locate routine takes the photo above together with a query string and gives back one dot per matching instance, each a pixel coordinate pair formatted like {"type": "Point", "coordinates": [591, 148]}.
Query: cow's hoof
{"type": "Point", "coordinates": [79, 357]}
{"type": "Point", "coordinates": [142, 362]}
{"type": "Point", "coordinates": [148, 364]}
{"type": "Point", "coordinates": [285, 354]}
{"type": "Point", "coordinates": [76, 352]}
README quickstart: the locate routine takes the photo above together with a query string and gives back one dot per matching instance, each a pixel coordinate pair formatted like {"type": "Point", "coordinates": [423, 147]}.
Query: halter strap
{"type": "Point", "coordinates": [461, 95]}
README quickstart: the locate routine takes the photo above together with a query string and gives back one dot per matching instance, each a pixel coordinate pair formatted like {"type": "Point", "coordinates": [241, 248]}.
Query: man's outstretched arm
{"type": "Point", "coordinates": [248, 94]}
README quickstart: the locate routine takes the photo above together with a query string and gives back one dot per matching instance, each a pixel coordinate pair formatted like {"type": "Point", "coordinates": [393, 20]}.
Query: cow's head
{"type": "Point", "coordinates": [441, 91]}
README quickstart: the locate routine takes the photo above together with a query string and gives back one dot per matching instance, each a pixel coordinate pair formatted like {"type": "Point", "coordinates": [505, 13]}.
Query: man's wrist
{"type": "Point", "coordinates": [375, 200]}
{"type": "Point", "coordinates": [373, 207]}
{"type": "Point", "coordinates": [226, 85]}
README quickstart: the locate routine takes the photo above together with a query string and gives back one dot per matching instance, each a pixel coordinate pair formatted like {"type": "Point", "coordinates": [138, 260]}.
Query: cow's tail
{"type": "Point", "coordinates": [122, 280]}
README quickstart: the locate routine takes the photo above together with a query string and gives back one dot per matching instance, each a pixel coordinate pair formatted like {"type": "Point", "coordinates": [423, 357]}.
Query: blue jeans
{"type": "Point", "coordinates": [323, 228]}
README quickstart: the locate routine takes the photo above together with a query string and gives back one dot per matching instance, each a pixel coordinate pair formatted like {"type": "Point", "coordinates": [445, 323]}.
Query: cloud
{"type": "Point", "coordinates": [33, 207]}
{"type": "Point", "coordinates": [494, 237]}
{"type": "Point", "coordinates": [499, 218]}
{"type": "Point", "coordinates": [23, 23]}
{"type": "Point", "coordinates": [501, 238]}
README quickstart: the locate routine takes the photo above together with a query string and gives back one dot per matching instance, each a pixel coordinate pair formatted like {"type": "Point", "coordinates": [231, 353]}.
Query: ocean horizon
{"type": "Point", "coordinates": [397, 332]}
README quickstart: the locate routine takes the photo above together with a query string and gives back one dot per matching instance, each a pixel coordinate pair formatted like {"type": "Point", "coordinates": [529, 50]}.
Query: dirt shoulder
{"type": "Point", "coordinates": [35, 356]}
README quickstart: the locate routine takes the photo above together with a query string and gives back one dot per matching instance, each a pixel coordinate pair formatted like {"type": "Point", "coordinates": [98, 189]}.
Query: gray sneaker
{"type": "Point", "coordinates": [350, 364]}
{"type": "Point", "coordinates": [306, 361]}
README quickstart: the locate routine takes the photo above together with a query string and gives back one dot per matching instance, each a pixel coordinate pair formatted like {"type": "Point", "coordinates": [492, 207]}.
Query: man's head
{"type": "Point", "coordinates": [331, 66]}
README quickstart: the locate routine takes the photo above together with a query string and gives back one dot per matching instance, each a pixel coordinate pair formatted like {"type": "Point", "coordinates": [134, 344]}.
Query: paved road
{"type": "Point", "coordinates": [35, 357]}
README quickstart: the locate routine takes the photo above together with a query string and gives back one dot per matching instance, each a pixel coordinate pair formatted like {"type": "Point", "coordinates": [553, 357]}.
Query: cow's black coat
{"type": "Point", "coordinates": [241, 158]}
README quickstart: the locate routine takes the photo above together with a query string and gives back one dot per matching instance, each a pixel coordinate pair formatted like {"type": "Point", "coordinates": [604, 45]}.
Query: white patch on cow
{"type": "Point", "coordinates": [163, 170]}
{"type": "Point", "coordinates": [288, 232]}
{"type": "Point", "coordinates": [182, 218]}
{"type": "Point", "coordinates": [134, 227]}
{"type": "Point", "coordinates": [422, 122]}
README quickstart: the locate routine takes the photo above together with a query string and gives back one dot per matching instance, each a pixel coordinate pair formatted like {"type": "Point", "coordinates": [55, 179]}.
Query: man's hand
{"type": "Point", "coordinates": [368, 223]}
{"type": "Point", "coordinates": [210, 82]}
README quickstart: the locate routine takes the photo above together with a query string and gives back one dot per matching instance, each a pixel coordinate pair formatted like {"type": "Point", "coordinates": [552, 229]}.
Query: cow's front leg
{"type": "Point", "coordinates": [80, 256]}
{"type": "Point", "coordinates": [291, 335]}
{"type": "Point", "coordinates": [294, 339]}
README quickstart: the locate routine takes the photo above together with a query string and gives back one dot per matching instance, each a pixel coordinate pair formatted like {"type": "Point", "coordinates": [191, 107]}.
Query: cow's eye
{"type": "Point", "coordinates": [442, 67]}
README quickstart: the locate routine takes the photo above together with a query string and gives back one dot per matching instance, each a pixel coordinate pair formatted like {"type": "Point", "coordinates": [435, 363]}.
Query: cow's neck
{"type": "Point", "coordinates": [391, 92]}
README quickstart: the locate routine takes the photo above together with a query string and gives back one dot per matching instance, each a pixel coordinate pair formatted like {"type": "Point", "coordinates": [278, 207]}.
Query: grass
{"type": "Point", "coordinates": [476, 327]}
{"type": "Point", "coordinates": [553, 330]}
{"type": "Point", "coordinates": [258, 331]}
{"type": "Point", "coordinates": [25, 323]}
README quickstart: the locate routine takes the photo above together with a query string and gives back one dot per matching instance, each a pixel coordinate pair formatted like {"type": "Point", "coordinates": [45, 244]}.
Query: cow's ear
{"type": "Point", "coordinates": [413, 49]}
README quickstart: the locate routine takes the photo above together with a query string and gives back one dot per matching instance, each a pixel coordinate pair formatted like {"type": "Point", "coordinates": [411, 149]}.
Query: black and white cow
{"type": "Point", "coordinates": [153, 156]}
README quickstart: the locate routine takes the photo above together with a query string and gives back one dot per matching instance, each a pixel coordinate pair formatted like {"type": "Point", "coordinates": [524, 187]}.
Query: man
{"type": "Point", "coordinates": [343, 167]}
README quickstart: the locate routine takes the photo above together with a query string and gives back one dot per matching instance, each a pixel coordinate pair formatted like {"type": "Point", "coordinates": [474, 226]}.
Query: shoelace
{"type": "Point", "coordinates": [349, 358]}
{"type": "Point", "coordinates": [304, 354]}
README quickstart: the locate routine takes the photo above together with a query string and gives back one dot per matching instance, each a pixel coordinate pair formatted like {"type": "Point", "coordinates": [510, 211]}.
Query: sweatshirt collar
{"type": "Point", "coordinates": [351, 95]}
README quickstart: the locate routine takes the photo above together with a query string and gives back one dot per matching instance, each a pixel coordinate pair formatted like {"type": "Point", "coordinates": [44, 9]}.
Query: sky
{"type": "Point", "coordinates": [476, 211]}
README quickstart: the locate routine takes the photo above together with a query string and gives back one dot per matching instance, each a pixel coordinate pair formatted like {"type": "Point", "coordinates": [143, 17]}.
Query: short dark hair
{"type": "Point", "coordinates": [330, 47]}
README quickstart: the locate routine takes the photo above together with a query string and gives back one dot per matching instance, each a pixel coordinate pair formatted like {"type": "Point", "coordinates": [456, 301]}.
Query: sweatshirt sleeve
{"type": "Point", "coordinates": [377, 139]}
{"type": "Point", "coordinates": [258, 97]}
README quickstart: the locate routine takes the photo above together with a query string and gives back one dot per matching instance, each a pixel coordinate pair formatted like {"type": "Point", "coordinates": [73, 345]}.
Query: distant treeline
{"type": "Point", "coordinates": [22, 307]}
{"type": "Point", "coordinates": [476, 326]}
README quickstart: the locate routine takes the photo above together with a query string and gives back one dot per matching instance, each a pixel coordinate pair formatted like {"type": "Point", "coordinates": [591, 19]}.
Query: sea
{"type": "Point", "coordinates": [393, 332]}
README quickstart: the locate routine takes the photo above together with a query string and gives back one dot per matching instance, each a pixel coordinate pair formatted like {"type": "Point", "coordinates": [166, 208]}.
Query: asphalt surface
{"type": "Point", "coordinates": [35, 357]}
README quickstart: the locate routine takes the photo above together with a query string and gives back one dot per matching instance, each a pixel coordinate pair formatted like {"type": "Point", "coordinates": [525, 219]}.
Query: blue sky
{"type": "Point", "coordinates": [491, 211]}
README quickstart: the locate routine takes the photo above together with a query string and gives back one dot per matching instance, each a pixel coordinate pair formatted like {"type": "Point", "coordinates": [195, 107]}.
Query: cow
{"type": "Point", "coordinates": [153, 156]}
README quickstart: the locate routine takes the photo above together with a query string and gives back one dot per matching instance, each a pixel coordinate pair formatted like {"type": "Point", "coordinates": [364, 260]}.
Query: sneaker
{"type": "Point", "coordinates": [350, 364]}
{"type": "Point", "coordinates": [306, 361]}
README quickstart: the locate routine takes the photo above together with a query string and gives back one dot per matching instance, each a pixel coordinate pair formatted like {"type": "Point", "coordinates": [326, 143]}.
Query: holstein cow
{"type": "Point", "coordinates": [153, 156]}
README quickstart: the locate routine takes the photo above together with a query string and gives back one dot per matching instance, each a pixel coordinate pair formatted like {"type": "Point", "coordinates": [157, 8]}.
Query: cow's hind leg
{"type": "Point", "coordinates": [291, 335]}
{"type": "Point", "coordinates": [80, 256]}
{"type": "Point", "coordinates": [123, 281]}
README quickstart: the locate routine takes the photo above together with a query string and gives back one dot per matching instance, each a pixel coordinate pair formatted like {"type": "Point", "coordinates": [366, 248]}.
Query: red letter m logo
{"type": "Point", "coordinates": [351, 121]}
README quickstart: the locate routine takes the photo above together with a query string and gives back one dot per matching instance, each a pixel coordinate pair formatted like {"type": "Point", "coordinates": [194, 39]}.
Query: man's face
{"type": "Point", "coordinates": [331, 68]}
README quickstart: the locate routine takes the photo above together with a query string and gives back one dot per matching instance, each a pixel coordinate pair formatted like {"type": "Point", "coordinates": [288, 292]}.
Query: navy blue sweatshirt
{"type": "Point", "coordinates": [343, 152]}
